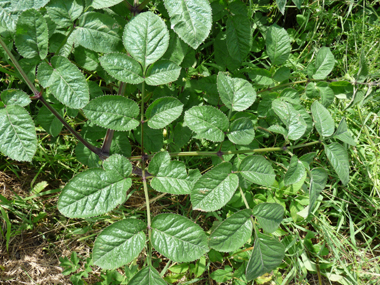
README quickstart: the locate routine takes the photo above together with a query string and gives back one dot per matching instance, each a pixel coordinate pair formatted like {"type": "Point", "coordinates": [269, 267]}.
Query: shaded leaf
{"type": "Point", "coordinates": [338, 158]}
{"type": "Point", "coordinates": [278, 44]}
{"type": "Point", "coordinates": [269, 215]}
{"type": "Point", "coordinates": [318, 179]}
{"type": "Point", "coordinates": [239, 38]}
{"type": "Point", "coordinates": [343, 134]}
{"type": "Point", "coordinates": [295, 171]}
{"type": "Point", "coordinates": [153, 138]}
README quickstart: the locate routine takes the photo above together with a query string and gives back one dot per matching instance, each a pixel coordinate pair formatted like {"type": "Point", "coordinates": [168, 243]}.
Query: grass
{"type": "Point", "coordinates": [340, 244]}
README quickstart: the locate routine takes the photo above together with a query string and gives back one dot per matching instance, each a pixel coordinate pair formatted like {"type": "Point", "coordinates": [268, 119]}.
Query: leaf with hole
{"type": "Point", "coordinates": [122, 67]}
{"type": "Point", "coordinates": [119, 243]}
{"type": "Point", "coordinates": [338, 158]}
{"type": "Point", "coordinates": [257, 170]}
{"type": "Point", "coordinates": [146, 38]}
{"type": "Point", "coordinates": [324, 123]}
{"type": "Point", "coordinates": [233, 232]}
{"type": "Point", "coordinates": [208, 122]}
{"type": "Point", "coordinates": [318, 179]}
{"type": "Point", "coordinates": [32, 36]}
{"type": "Point", "coordinates": [215, 188]}
{"type": "Point", "coordinates": [190, 19]}
{"type": "Point", "coordinates": [113, 112]}
{"type": "Point", "coordinates": [267, 254]}
{"type": "Point", "coordinates": [163, 111]}
{"type": "Point", "coordinates": [236, 93]}
{"type": "Point", "coordinates": [269, 215]}
{"type": "Point", "coordinates": [18, 138]}
{"type": "Point", "coordinates": [66, 82]}
{"type": "Point", "coordinates": [96, 191]}
{"type": "Point", "coordinates": [169, 176]}
{"type": "Point", "coordinates": [178, 238]}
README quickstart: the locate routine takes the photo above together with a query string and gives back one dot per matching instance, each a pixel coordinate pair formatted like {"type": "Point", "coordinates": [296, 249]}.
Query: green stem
{"type": "Point", "coordinates": [213, 153]}
{"type": "Point", "coordinates": [246, 204]}
{"type": "Point", "coordinates": [18, 67]}
{"type": "Point", "coordinates": [147, 214]}
{"type": "Point", "coordinates": [143, 4]}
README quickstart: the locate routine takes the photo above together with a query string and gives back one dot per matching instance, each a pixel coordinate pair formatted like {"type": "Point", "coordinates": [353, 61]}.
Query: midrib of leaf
{"type": "Point", "coordinates": [322, 63]}
{"type": "Point", "coordinates": [59, 73]}
{"type": "Point", "coordinates": [207, 123]}
{"type": "Point", "coordinates": [106, 34]}
{"type": "Point", "coordinates": [187, 12]}
{"type": "Point", "coordinates": [184, 241]}
{"type": "Point", "coordinates": [164, 112]}
{"type": "Point", "coordinates": [241, 226]}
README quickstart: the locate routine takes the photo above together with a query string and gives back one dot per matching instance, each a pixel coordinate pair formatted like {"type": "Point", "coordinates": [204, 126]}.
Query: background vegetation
{"type": "Point", "coordinates": [340, 245]}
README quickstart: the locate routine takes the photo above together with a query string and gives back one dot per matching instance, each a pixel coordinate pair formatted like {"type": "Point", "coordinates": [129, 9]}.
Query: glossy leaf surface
{"type": "Point", "coordinates": [269, 215]}
{"type": "Point", "coordinates": [163, 111]}
{"type": "Point", "coordinates": [147, 276]}
{"type": "Point", "coordinates": [324, 63]}
{"type": "Point", "coordinates": [241, 131]}
{"type": "Point", "coordinates": [162, 72]}
{"type": "Point", "coordinates": [257, 170]}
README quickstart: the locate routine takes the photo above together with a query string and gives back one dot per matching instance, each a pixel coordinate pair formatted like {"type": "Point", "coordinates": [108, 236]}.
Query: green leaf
{"type": "Point", "coordinates": [113, 112]}
{"type": "Point", "coordinates": [295, 171]}
{"type": "Point", "coordinates": [327, 94]}
{"type": "Point", "coordinates": [267, 254]}
{"type": "Point", "coordinates": [208, 122]}
{"type": "Point", "coordinates": [338, 158]}
{"type": "Point", "coordinates": [86, 58]}
{"type": "Point", "coordinates": [281, 5]}
{"type": "Point", "coordinates": [147, 276]}
{"type": "Point", "coordinates": [257, 170]}
{"type": "Point", "coordinates": [64, 13]}
{"type": "Point", "coordinates": [49, 121]}
{"type": "Point", "coordinates": [278, 44]}
{"type": "Point", "coordinates": [146, 38]}
{"type": "Point", "coordinates": [96, 191]}
{"type": "Point", "coordinates": [153, 138]}
{"type": "Point", "coordinates": [120, 144]}
{"type": "Point", "coordinates": [28, 4]}
{"type": "Point", "coordinates": [324, 63]}
{"type": "Point", "coordinates": [232, 233]}
{"type": "Point", "coordinates": [98, 32]}
{"type": "Point", "coordinates": [18, 138]}
{"type": "Point", "coordinates": [170, 176]}
{"type": "Point", "coordinates": [282, 74]}
{"type": "Point", "coordinates": [119, 243]}
{"type": "Point", "coordinates": [15, 97]}
{"type": "Point", "coordinates": [100, 4]}
{"type": "Point", "coordinates": [298, 3]}
{"type": "Point", "coordinates": [177, 49]}
{"type": "Point", "coordinates": [241, 131]}
{"type": "Point", "coordinates": [363, 68]}
{"type": "Point", "coordinates": [32, 37]}
{"type": "Point", "coordinates": [293, 120]}
{"type": "Point", "coordinates": [239, 37]}
{"type": "Point", "coordinates": [343, 134]}
{"type": "Point", "coordinates": [324, 123]}
{"type": "Point", "coordinates": [178, 238]}
{"type": "Point", "coordinates": [221, 54]}
{"type": "Point", "coordinates": [318, 179]}
{"type": "Point", "coordinates": [162, 72]}
{"type": "Point", "coordinates": [163, 111]}
{"type": "Point", "coordinates": [122, 67]}
{"type": "Point", "coordinates": [269, 215]}
{"type": "Point", "coordinates": [214, 189]}
{"type": "Point", "coordinates": [222, 275]}
{"type": "Point", "coordinates": [7, 19]}
{"type": "Point", "coordinates": [236, 93]}
{"type": "Point", "coordinates": [66, 82]}
{"type": "Point", "coordinates": [190, 19]}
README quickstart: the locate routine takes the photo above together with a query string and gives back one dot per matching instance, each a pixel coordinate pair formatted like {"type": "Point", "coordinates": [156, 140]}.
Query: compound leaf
{"type": "Point", "coordinates": [241, 131]}
{"type": "Point", "coordinates": [267, 254]}
{"type": "Point", "coordinates": [318, 179]}
{"type": "Point", "coordinates": [32, 36]}
{"type": "Point", "coordinates": [178, 238]}
{"type": "Point", "coordinates": [98, 32]}
{"type": "Point", "coordinates": [66, 82]}
{"type": "Point", "coordinates": [324, 123]}
{"type": "Point", "coordinates": [163, 111]}
{"type": "Point", "coordinates": [338, 158]}
{"type": "Point", "coordinates": [295, 171]}
{"type": "Point", "coordinates": [236, 93]}
{"type": "Point", "coordinates": [170, 176]}
{"type": "Point", "coordinates": [208, 122]}
{"type": "Point", "coordinates": [233, 232]}
{"type": "Point", "coordinates": [190, 19]}
{"type": "Point", "coordinates": [162, 72]}
{"type": "Point", "coordinates": [214, 189]}
{"type": "Point", "coordinates": [269, 215]}
{"type": "Point", "coordinates": [122, 67]}
{"type": "Point", "coordinates": [258, 170]}
{"type": "Point", "coordinates": [119, 243]}
{"type": "Point", "coordinates": [95, 191]}
{"type": "Point", "coordinates": [278, 44]}
{"type": "Point", "coordinates": [147, 276]}
{"type": "Point", "coordinates": [324, 63]}
{"type": "Point", "coordinates": [113, 112]}
{"type": "Point", "coordinates": [146, 38]}
{"type": "Point", "coordinates": [18, 138]}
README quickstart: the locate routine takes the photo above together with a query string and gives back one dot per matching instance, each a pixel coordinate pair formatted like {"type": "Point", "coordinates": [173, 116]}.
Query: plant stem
{"type": "Point", "coordinates": [143, 4]}
{"type": "Point", "coordinates": [214, 153]}
{"type": "Point", "coordinates": [244, 199]}
{"type": "Point", "coordinates": [18, 67]}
